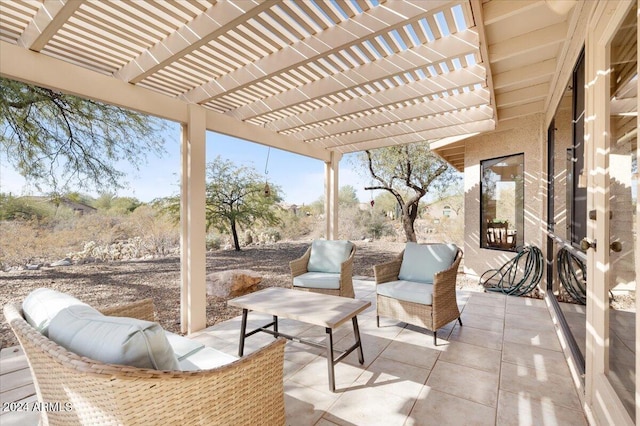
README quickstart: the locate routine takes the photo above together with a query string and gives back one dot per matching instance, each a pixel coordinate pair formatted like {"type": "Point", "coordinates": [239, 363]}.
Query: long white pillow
{"type": "Point", "coordinates": [113, 340]}
{"type": "Point", "coordinates": [43, 304]}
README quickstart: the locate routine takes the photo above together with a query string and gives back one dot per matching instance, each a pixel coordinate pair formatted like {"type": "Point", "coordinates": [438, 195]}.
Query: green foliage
{"type": "Point", "coordinates": [347, 196]}
{"type": "Point", "coordinates": [108, 201]}
{"type": "Point", "coordinates": [55, 140]}
{"type": "Point", "coordinates": [408, 173]}
{"type": "Point", "coordinates": [377, 226]}
{"type": "Point", "coordinates": [236, 197]}
{"type": "Point", "coordinates": [24, 208]}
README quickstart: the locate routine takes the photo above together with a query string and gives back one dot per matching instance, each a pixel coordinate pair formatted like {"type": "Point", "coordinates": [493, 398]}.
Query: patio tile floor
{"type": "Point", "coordinates": [504, 366]}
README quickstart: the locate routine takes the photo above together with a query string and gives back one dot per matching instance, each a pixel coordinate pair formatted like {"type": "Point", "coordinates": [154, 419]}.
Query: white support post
{"type": "Point", "coordinates": [331, 195]}
{"type": "Point", "coordinates": [193, 292]}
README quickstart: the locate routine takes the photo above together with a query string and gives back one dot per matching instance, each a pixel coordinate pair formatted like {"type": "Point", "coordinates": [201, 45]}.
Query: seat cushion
{"type": "Point", "coordinates": [43, 304]}
{"type": "Point", "coordinates": [206, 359]}
{"type": "Point", "coordinates": [113, 340]}
{"type": "Point", "coordinates": [421, 262]}
{"type": "Point", "coordinates": [317, 280]}
{"type": "Point", "coordinates": [328, 255]}
{"type": "Point", "coordinates": [408, 291]}
{"type": "Point", "coordinates": [182, 346]}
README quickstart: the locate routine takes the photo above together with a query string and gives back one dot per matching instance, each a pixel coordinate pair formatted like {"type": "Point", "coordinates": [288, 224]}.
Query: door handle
{"type": "Point", "coordinates": [616, 246]}
{"type": "Point", "coordinates": [586, 244]}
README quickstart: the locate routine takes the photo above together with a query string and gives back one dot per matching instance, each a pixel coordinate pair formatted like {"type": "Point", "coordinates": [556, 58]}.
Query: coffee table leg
{"type": "Point", "coordinates": [243, 331]}
{"type": "Point", "coordinates": [332, 380]}
{"type": "Point", "coordinates": [356, 332]}
{"type": "Point", "coordinates": [275, 327]}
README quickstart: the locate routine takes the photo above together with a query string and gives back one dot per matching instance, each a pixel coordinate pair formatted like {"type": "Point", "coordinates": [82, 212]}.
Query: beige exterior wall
{"type": "Point", "coordinates": [527, 135]}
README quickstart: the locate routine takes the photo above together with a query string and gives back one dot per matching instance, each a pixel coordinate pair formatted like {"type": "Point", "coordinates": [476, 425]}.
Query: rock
{"type": "Point", "coordinates": [32, 267]}
{"type": "Point", "coordinates": [64, 262]}
{"type": "Point", "coordinates": [232, 283]}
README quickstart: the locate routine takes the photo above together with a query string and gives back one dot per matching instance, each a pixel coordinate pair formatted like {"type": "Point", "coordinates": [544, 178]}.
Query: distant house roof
{"type": "Point", "coordinates": [64, 201]}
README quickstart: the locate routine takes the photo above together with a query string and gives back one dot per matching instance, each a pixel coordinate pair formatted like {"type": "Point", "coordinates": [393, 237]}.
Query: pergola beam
{"type": "Point", "coordinates": [522, 45]}
{"type": "Point", "coordinates": [48, 20]}
{"type": "Point", "coordinates": [424, 136]}
{"type": "Point", "coordinates": [23, 65]}
{"type": "Point", "coordinates": [409, 60]}
{"type": "Point", "coordinates": [408, 92]}
{"type": "Point", "coordinates": [215, 21]}
{"type": "Point", "coordinates": [428, 124]}
{"type": "Point", "coordinates": [497, 11]}
{"type": "Point", "coordinates": [523, 96]}
{"type": "Point", "coordinates": [524, 74]}
{"type": "Point", "coordinates": [521, 110]}
{"type": "Point", "coordinates": [374, 22]}
{"type": "Point", "coordinates": [422, 110]}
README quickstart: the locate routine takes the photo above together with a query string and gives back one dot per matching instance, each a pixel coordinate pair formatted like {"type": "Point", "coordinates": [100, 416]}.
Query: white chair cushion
{"type": "Point", "coordinates": [408, 291]}
{"type": "Point", "coordinates": [183, 347]}
{"type": "Point", "coordinates": [421, 262]}
{"type": "Point", "coordinates": [113, 340]}
{"type": "Point", "coordinates": [317, 280]}
{"type": "Point", "coordinates": [328, 255]}
{"type": "Point", "coordinates": [206, 359]}
{"type": "Point", "coordinates": [43, 304]}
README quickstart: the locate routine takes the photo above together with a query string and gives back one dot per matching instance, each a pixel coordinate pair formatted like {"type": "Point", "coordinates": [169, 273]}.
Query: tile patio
{"type": "Point", "coordinates": [504, 366]}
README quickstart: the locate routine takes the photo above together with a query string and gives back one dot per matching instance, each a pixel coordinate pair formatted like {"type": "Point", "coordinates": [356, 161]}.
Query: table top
{"type": "Point", "coordinates": [312, 308]}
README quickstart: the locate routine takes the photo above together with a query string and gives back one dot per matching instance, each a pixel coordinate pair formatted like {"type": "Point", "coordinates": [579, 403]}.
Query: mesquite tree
{"type": "Point", "coordinates": [236, 196]}
{"type": "Point", "coordinates": [58, 140]}
{"type": "Point", "coordinates": [408, 169]}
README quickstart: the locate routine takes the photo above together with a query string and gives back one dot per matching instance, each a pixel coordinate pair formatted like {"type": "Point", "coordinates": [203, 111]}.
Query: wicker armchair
{"type": "Point", "coordinates": [443, 308]}
{"type": "Point", "coordinates": [345, 288]}
{"type": "Point", "coordinates": [247, 391]}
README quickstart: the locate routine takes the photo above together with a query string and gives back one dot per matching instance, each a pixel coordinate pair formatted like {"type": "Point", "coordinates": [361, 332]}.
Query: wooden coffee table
{"type": "Point", "coordinates": [312, 308]}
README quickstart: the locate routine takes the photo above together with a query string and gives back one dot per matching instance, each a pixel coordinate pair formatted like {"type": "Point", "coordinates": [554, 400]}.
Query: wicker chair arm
{"type": "Point", "coordinates": [346, 275]}
{"type": "Point", "coordinates": [299, 266]}
{"type": "Point", "coordinates": [388, 271]}
{"type": "Point", "coordinates": [142, 309]}
{"type": "Point", "coordinates": [445, 305]}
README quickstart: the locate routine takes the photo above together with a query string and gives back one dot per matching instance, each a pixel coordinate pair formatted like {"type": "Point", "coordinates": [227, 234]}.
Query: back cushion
{"type": "Point", "coordinates": [112, 340]}
{"type": "Point", "coordinates": [421, 262]}
{"type": "Point", "coordinates": [328, 255]}
{"type": "Point", "coordinates": [43, 304]}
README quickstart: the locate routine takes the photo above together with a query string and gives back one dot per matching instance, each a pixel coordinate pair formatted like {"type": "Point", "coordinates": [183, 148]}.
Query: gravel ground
{"type": "Point", "coordinates": [102, 284]}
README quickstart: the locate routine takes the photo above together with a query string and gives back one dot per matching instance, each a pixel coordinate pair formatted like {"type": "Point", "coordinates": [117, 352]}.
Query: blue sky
{"type": "Point", "coordinates": [301, 178]}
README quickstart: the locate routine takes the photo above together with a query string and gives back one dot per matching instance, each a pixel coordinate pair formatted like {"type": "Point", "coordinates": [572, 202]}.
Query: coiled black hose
{"type": "Point", "coordinates": [573, 275]}
{"type": "Point", "coordinates": [519, 275]}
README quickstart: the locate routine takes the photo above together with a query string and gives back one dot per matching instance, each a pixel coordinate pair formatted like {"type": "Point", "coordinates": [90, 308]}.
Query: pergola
{"type": "Point", "coordinates": [319, 78]}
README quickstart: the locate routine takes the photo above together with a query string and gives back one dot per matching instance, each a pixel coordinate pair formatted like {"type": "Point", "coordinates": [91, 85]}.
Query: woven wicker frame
{"type": "Point", "coordinates": [443, 309]}
{"type": "Point", "coordinates": [299, 267]}
{"type": "Point", "coordinates": [247, 391]}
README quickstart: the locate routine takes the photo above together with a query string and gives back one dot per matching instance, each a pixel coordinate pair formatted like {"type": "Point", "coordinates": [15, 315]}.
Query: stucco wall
{"type": "Point", "coordinates": [528, 136]}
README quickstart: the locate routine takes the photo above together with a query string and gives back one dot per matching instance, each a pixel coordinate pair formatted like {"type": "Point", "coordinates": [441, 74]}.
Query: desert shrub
{"type": "Point", "coordinates": [101, 235]}
{"type": "Point", "coordinates": [269, 235]}
{"type": "Point", "coordinates": [213, 241]}
{"type": "Point", "coordinates": [378, 226]}
{"type": "Point", "coordinates": [293, 227]}
{"type": "Point", "coordinates": [24, 208]}
{"type": "Point", "coordinates": [160, 233]}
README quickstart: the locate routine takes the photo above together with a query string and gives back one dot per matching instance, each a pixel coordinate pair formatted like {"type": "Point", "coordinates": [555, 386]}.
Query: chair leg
{"type": "Point", "coordinates": [460, 320]}
{"type": "Point", "coordinates": [378, 321]}
{"type": "Point", "coordinates": [435, 338]}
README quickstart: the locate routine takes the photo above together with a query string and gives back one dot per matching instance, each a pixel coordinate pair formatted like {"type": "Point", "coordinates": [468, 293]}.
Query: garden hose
{"type": "Point", "coordinates": [573, 275]}
{"type": "Point", "coordinates": [519, 275]}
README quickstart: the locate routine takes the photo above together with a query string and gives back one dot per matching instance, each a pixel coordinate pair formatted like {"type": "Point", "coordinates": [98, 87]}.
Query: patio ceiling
{"type": "Point", "coordinates": [315, 76]}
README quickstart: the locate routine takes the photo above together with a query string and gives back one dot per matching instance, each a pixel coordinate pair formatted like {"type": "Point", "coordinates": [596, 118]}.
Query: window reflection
{"type": "Point", "coordinates": [623, 196]}
{"type": "Point", "coordinates": [502, 209]}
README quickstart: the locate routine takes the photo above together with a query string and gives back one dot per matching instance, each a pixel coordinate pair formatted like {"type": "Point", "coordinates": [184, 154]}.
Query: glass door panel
{"type": "Point", "coordinates": [623, 185]}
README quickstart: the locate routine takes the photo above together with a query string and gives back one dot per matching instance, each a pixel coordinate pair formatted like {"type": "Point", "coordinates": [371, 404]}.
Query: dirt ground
{"type": "Point", "coordinates": [103, 284]}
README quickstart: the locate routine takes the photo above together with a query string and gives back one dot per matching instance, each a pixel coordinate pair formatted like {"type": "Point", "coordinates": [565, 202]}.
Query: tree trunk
{"type": "Point", "coordinates": [409, 215]}
{"type": "Point", "coordinates": [234, 233]}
